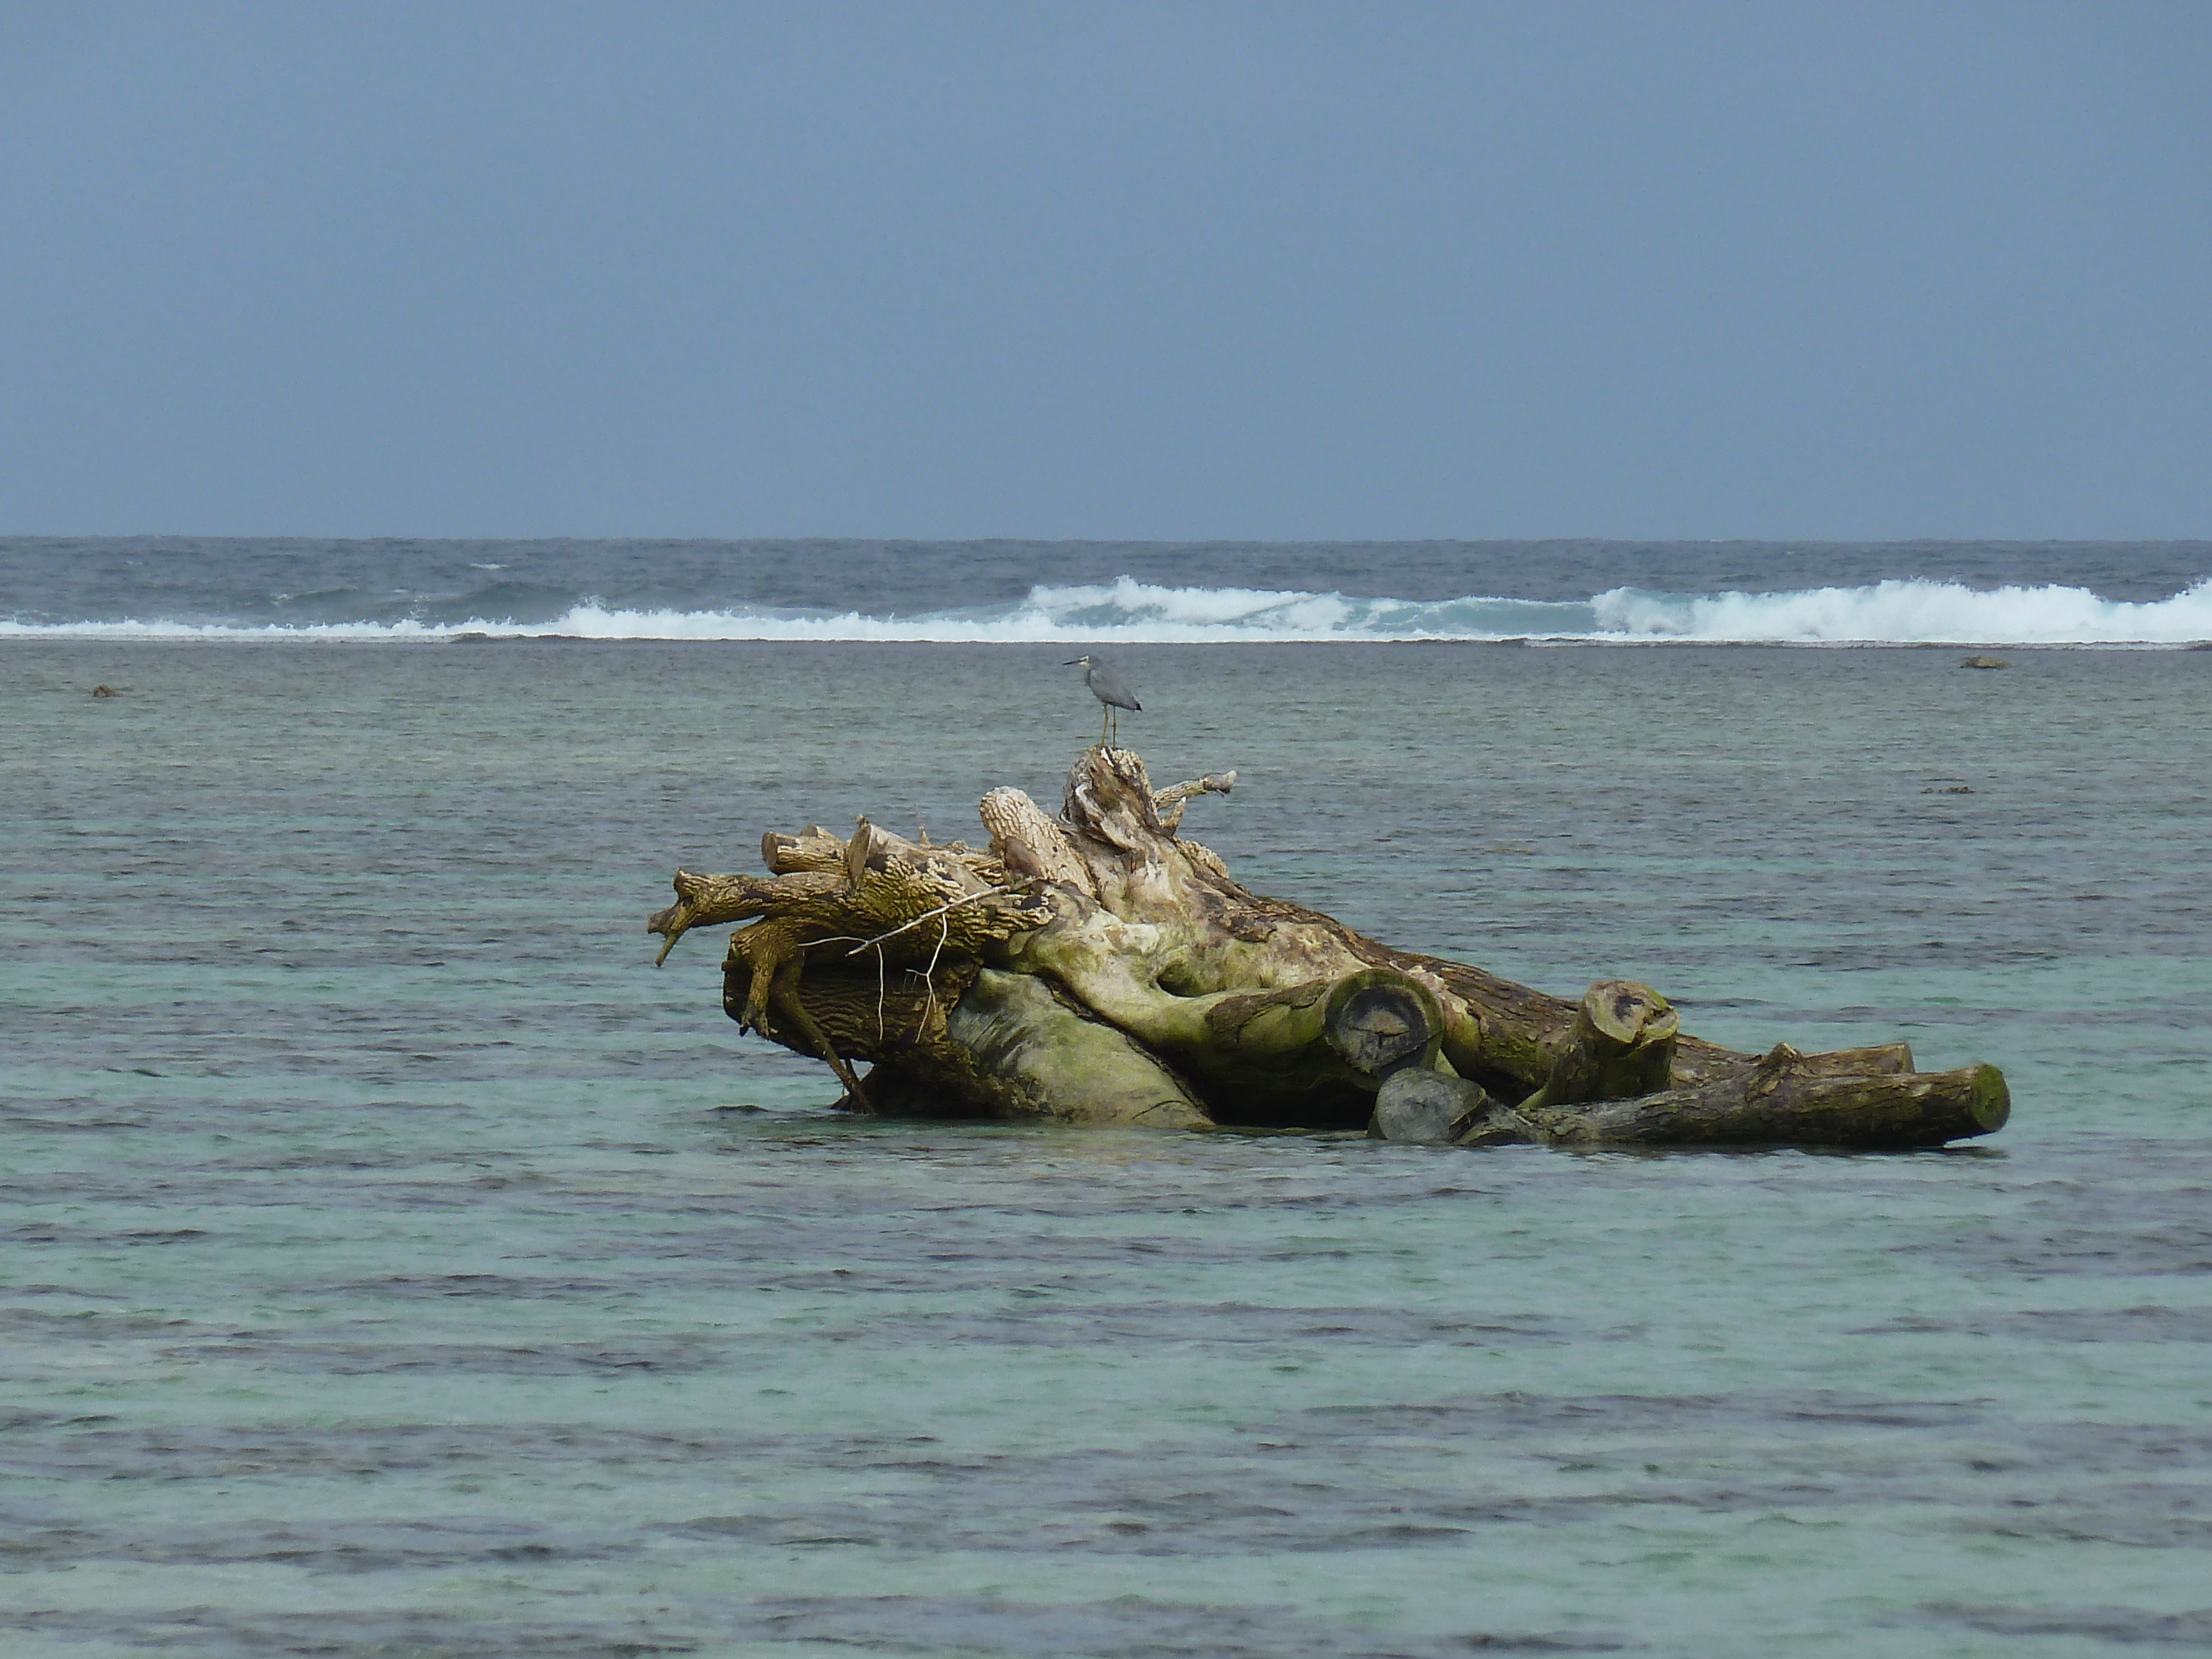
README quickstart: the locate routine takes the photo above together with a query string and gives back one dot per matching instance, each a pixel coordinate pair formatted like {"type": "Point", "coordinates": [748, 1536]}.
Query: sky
{"type": "Point", "coordinates": [1278, 271]}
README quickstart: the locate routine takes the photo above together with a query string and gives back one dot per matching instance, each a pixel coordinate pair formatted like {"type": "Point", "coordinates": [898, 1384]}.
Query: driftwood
{"type": "Point", "coordinates": [1098, 967]}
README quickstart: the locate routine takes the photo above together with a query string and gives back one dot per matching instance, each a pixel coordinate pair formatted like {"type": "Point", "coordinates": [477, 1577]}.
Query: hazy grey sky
{"type": "Point", "coordinates": [1275, 270]}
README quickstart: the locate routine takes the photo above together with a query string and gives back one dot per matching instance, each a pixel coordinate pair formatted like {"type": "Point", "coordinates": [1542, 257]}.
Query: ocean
{"type": "Point", "coordinates": [1007, 591]}
{"type": "Point", "coordinates": [393, 1261]}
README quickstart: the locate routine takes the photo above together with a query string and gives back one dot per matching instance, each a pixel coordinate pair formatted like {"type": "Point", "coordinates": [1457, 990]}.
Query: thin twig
{"type": "Point", "coordinates": [970, 898]}
{"type": "Point", "coordinates": [928, 983]}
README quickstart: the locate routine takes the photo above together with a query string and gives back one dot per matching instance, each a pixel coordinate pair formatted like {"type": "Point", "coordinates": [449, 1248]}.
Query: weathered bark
{"type": "Point", "coordinates": [1097, 966]}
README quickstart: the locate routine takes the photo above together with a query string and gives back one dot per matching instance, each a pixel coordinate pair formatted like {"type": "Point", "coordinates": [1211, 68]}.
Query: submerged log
{"type": "Point", "coordinates": [1095, 966]}
{"type": "Point", "coordinates": [1784, 1099]}
{"type": "Point", "coordinates": [1414, 1104]}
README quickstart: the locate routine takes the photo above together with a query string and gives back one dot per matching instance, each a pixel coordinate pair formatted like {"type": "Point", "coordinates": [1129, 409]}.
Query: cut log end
{"type": "Point", "coordinates": [1425, 1107]}
{"type": "Point", "coordinates": [1622, 1045]}
{"type": "Point", "coordinates": [1380, 1018]}
{"type": "Point", "coordinates": [1990, 1103]}
{"type": "Point", "coordinates": [1627, 1013]}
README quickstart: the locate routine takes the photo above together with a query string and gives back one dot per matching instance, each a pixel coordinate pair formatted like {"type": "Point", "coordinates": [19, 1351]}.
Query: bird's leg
{"type": "Point", "coordinates": [1106, 726]}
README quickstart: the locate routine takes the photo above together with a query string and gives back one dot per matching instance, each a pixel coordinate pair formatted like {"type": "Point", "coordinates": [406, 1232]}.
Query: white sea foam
{"type": "Point", "coordinates": [1909, 613]}
{"type": "Point", "coordinates": [1887, 613]}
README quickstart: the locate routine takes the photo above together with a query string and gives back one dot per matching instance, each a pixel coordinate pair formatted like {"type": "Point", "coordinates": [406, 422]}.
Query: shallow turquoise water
{"type": "Point", "coordinates": [396, 1263]}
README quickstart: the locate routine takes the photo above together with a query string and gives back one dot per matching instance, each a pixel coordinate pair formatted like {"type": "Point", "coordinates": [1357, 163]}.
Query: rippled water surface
{"type": "Point", "coordinates": [392, 1261]}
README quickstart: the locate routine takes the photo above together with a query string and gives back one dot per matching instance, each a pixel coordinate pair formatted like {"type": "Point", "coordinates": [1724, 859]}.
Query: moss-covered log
{"type": "Point", "coordinates": [1095, 966]}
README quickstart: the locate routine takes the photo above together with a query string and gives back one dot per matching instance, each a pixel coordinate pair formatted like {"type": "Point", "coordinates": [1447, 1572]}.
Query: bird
{"type": "Point", "coordinates": [1106, 685]}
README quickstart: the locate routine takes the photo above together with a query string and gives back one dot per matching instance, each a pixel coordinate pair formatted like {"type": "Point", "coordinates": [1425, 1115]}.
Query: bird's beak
{"type": "Point", "coordinates": [1075, 662]}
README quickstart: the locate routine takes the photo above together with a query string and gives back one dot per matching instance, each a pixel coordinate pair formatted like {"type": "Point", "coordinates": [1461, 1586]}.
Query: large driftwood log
{"type": "Point", "coordinates": [1097, 967]}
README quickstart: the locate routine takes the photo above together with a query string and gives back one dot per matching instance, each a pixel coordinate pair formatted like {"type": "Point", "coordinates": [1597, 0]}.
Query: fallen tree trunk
{"type": "Point", "coordinates": [1781, 1101]}
{"type": "Point", "coordinates": [1097, 967]}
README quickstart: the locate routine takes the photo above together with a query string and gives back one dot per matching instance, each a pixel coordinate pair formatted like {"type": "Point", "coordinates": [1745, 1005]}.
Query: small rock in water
{"type": "Point", "coordinates": [105, 691]}
{"type": "Point", "coordinates": [1949, 789]}
{"type": "Point", "coordinates": [1985, 662]}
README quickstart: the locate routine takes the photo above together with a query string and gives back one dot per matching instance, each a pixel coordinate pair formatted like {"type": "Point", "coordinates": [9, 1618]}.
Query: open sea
{"type": "Point", "coordinates": [392, 1262]}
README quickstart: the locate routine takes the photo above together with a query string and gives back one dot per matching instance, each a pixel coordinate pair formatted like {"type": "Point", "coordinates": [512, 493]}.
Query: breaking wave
{"type": "Point", "coordinates": [1901, 612]}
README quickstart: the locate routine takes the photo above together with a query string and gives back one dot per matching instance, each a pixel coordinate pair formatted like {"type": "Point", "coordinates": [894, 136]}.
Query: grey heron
{"type": "Point", "coordinates": [1106, 685]}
